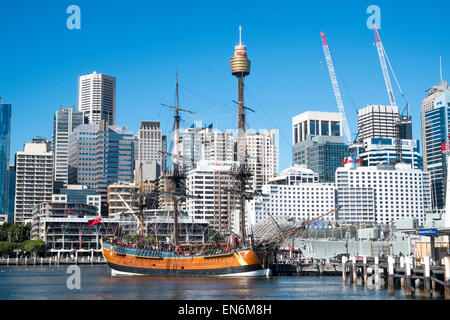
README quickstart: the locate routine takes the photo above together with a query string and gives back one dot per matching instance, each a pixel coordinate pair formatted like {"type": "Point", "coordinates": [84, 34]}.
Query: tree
{"type": "Point", "coordinates": [6, 248]}
{"type": "Point", "coordinates": [35, 246]}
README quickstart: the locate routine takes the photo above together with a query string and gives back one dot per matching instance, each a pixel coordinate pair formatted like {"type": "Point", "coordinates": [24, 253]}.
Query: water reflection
{"type": "Point", "coordinates": [96, 283]}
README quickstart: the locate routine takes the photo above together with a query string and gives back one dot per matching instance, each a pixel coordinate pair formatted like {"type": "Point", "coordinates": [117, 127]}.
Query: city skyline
{"type": "Point", "coordinates": [143, 48]}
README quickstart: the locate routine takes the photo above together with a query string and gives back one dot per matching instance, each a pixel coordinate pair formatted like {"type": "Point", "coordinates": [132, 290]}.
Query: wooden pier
{"type": "Point", "coordinates": [422, 278]}
{"type": "Point", "coordinates": [50, 261]}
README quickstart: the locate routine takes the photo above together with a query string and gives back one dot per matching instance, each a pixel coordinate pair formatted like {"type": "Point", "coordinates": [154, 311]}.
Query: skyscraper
{"type": "Point", "coordinates": [435, 129]}
{"type": "Point", "coordinates": [64, 122]}
{"type": "Point", "coordinates": [375, 121]}
{"type": "Point", "coordinates": [318, 143]}
{"type": "Point", "coordinates": [5, 136]}
{"type": "Point", "coordinates": [100, 155]}
{"type": "Point", "coordinates": [150, 145]}
{"type": "Point", "coordinates": [97, 97]}
{"type": "Point", "coordinates": [34, 178]}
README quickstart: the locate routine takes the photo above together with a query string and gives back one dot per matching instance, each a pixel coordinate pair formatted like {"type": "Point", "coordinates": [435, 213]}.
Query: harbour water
{"type": "Point", "coordinates": [96, 283]}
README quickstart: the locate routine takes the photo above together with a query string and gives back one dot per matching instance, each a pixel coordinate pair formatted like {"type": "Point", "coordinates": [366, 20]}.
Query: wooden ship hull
{"type": "Point", "coordinates": [127, 260]}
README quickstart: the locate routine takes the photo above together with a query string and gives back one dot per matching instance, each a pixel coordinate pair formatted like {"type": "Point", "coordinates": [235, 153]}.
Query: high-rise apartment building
{"type": "Point", "coordinates": [34, 178]}
{"type": "Point", "coordinates": [97, 97]}
{"type": "Point", "coordinates": [319, 143]}
{"type": "Point", "coordinates": [383, 193]}
{"type": "Point", "coordinates": [121, 192]}
{"type": "Point", "coordinates": [435, 129]}
{"type": "Point", "coordinates": [5, 137]}
{"type": "Point", "coordinates": [64, 122]}
{"type": "Point", "coordinates": [100, 155]}
{"type": "Point", "coordinates": [210, 181]}
{"type": "Point", "coordinates": [262, 151]}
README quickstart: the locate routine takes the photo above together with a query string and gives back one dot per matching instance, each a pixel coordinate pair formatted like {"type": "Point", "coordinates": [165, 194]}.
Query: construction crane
{"type": "Point", "coordinates": [382, 54]}
{"type": "Point", "coordinates": [403, 124]}
{"type": "Point", "coordinates": [336, 90]}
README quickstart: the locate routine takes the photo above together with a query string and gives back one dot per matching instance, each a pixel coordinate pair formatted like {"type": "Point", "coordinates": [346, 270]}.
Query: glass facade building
{"type": "Point", "coordinates": [64, 122]}
{"type": "Point", "coordinates": [436, 131]}
{"type": "Point", "coordinates": [100, 155]}
{"type": "Point", "coordinates": [383, 151]}
{"type": "Point", "coordinates": [5, 136]}
{"type": "Point", "coordinates": [322, 154]}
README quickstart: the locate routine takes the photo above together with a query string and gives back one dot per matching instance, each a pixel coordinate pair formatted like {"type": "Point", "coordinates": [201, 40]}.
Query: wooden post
{"type": "Point", "coordinates": [344, 269]}
{"type": "Point", "coordinates": [426, 277]}
{"type": "Point", "coordinates": [7, 261]}
{"type": "Point", "coordinates": [391, 274]}
{"type": "Point", "coordinates": [402, 265]}
{"type": "Point", "coordinates": [447, 277]}
{"type": "Point", "coordinates": [365, 270]}
{"type": "Point", "coordinates": [354, 274]}
{"type": "Point", "coordinates": [377, 272]}
{"type": "Point", "coordinates": [408, 276]}
{"type": "Point", "coordinates": [42, 260]}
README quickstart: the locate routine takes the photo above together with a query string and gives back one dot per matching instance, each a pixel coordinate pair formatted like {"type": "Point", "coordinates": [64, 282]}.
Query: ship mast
{"type": "Point", "coordinates": [176, 176]}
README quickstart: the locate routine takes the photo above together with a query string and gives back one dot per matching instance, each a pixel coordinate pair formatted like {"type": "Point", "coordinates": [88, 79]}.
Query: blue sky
{"type": "Point", "coordinates": [142, 43]}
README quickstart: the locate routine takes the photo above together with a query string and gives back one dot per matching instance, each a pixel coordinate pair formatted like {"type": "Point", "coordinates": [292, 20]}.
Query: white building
{"type": "Point", "coordinates": [97, 97]}
{"type": "Point", "coordinates": [205, 143]}
{"type": "Point", "coordinates": [295, 193]}
{"type": "Point", "coordinates": [210, 181]}
{"type": "Point", "coordinates": [34, 179]}
{"type": "Point", "coordinates": [316, 123]}
{"type": "Point", "coordinates": [382, 194]}
{"type": "Point", "coordinates": [262, 151]}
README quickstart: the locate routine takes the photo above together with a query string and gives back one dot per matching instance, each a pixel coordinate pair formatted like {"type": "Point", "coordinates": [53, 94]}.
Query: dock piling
{"type": "Point", "coordinates": [426, 277]}
{"type": "Point", "coordinates": [365, 270]}
{"type": "Point", "coordinates": [408, 276]}
{"type": "Point", "coordinates": [354, 273]}
{"type": "Point", "coordinates": [391, 274]}
{"type": "Point", "coordinates": [344, 269]}
{"type": "Point", "coordinates": [447, 277]}
{"type": "Point", "coordinates": [377, 272]}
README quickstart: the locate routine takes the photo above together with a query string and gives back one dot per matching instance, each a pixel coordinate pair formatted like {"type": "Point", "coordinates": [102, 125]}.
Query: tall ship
{"type": "Point", "coordinates": [236, 257]}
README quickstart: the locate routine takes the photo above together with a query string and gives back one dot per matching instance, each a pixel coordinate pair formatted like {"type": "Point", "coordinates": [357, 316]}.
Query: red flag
{"type": "Point", "coordinates": [94, 222]}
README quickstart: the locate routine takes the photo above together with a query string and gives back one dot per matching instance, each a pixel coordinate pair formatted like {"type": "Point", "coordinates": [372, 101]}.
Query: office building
{"type": "Point", "coordinates": [34, 178]}
{"type": "Point", "coordinates": [5, 137]}
{"type": "Point", "coordinates": [63, 226]}
{"type": "Point", "coordinates": [75, 193]}
{"type": "Point", "coordinates": [377, 151]}
{"type": "Point", "coordinates": [435, 119]}
{"type": "Point", "coordinates": [377, 121]}
{"type": "Point", "coordinates": [150, 148]}
{"type": "Point", "coordinates": [97, 97]}
{"type": "Point", "coordinates": [100, 155]}
{"type": "Point", "coordinates": [383, 193]}
{"type": "Point", "coordinates": [319, 143]}
{"type": "Point", "coordinates": [65, 121]}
